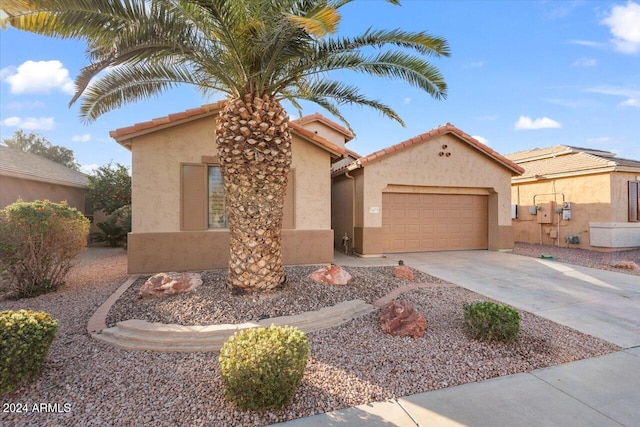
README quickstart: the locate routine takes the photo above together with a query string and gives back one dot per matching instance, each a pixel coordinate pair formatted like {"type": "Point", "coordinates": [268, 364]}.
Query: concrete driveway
{"type": "Point", "coordinates": [601, 303]}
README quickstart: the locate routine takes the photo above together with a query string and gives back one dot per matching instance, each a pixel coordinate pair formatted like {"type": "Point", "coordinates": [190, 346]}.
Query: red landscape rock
{"type": "Point", "coordinates": [167, 284]}
{"type": "Point", "coordinates": [403, 272]}
{"type": "Point", "coordinates": [332, 275]}
{"type": "Point", "coordinates": [627, 265]}
{"type": "Point", "coordinates": [398, 318]}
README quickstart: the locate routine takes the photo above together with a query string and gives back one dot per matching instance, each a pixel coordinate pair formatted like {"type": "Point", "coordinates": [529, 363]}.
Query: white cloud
{"type": "Point", "coordinates": [26, 105]}
{"type": "Point", "coordinates": [624, 24]}
{"type": "Point", "coordinates": [89, 168]}
{"type": "Point", "coordinates": [632, 95]}
{"type": "Point", "coordinates": [476, 64]}
{"type": "Point", "coordinates": [29, 123]}
{"type": "Point", "coordinates": [482, 139]}
{"type": "Point", "coordinates": [587, 43]}
{"type": "Point", "coordinates": [585, 62]}
{"type": "Point", "coordinates": [81, 138]}
{"type": "Point", "coordinates": [38, 77]}
{"type": "Point", "coordinates": [631, 102]}
{"type": "Point", "coordinates": [526, 123]}
{"type": "Point", "coordinates": [407, 100]}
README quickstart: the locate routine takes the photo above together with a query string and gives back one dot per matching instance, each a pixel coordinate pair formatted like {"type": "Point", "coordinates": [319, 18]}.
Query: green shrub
{"type": "Point", "coordinates": [491, 321]}
{"type": "Point", "coordinates": [38, 241]}
{"type": "Point", "coordinates": [25, 338]}
{"type": "Point", "coordinates": [115, 228]}
{"type": "Point", "coordinates": [262, 367]}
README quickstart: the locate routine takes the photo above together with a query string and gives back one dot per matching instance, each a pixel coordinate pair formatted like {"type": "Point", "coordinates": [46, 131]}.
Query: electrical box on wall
{"type": "Point", "coordinates": [545, 214]}
{"type": "Point", "coordinates": [514, 211]}
{"type": "Point", "coordinates": [566, 211]}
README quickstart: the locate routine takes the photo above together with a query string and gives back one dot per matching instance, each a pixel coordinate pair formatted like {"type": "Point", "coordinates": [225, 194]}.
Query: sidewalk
{"type": "Point", "coordinates": [600, 391]}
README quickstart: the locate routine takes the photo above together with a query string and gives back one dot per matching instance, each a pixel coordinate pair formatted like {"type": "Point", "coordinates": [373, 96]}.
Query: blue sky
{"type": "Point", "coordinates": [522, 74]}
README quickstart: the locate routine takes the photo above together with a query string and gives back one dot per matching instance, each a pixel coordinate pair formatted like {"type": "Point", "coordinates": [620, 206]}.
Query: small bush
{"type": "Point", "coordinates": [25, 339]}
{"type": "Point", "coordinates": [115, 228]}
{"type": "Point", "coordinates": [491, 321]}
{"type": "Point", "coordinates": [38, 241]}
{"type": "Point", "coordinates": [262, 367]}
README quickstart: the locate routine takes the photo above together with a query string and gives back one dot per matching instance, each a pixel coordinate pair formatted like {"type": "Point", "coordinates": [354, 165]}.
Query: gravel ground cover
{"type": "Point", "coordinates": [582, 257]}
{"type": "Point", "coordinates": [350, 365]}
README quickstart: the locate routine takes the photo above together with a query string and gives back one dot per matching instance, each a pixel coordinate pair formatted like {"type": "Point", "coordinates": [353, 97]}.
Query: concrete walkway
{"type": "Point", "coordinates": [601, 303]}
{"type": "Point", "coordinates": [601, 391]}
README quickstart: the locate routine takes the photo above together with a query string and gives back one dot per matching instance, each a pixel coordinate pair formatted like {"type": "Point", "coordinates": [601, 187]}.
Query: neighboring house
{"type": "Point", "coordinates": [179, 220]}
{"type": "Point", "coordinates": [30, 177]}
{"type": "Point", "coordinates": [577, 197]}
{"type": "Point", "coordinates": [442, 190]}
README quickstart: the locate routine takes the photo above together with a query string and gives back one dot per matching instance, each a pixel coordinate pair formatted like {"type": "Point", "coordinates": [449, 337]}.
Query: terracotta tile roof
{"type": "Point", "coordinates": [123, 135]}
{"type": "Point", "coordinates": [33, 167]}
{"type": "Point", "coordinates": [564, 159]}
{"type": "Point", "coordinates": [441, 130]}
{"type": "Point", "coordinates": [317, 117]}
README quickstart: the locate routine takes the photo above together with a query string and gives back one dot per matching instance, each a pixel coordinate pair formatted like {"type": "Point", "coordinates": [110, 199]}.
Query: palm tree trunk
{"type": "Point", "coordinates": [254, 146]}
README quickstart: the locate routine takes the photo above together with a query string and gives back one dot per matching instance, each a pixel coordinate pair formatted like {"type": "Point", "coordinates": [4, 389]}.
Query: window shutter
{"type": "Point", "coordinates": [289, 213]}
{"type": "Point", "coordinates": [193, 197]}
{"type": "Point", "coordinates": [634, 205]}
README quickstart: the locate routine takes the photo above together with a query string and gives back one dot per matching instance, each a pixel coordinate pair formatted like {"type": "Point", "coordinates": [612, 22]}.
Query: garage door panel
{"type": "Point", "coordinates": [429, 222]}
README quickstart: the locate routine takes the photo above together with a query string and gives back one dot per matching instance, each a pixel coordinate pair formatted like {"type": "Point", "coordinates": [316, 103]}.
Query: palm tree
{"type": "Point", "coordinates": [258, 53]}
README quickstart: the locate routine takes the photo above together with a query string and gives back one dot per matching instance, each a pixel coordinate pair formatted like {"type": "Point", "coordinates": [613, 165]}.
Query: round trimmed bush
{"type": "Point", "coordinates": [262, 367]}
{"type": "Point", "coordinates": [25, 339]}
{"type": "Point", "coordinates": [490, 321]}
{"type": "Point", "coordinates": [38, 241]}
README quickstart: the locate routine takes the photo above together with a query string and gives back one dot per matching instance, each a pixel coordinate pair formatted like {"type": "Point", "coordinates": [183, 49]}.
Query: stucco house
{"type": "Point", "coordinates": [578, 197]}
{"type": "Point", "coordinates": [441, 190]}
{"type": "Point", "coordinates": [31, 177]}
{"type": "Point", "coordinates": [179, 220]}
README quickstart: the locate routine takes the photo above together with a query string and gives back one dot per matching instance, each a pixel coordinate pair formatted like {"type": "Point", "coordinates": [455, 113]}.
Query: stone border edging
{"type": "Point", "coordinates": [98, 321]}
{"type": "Point", "coordinates": [137, 334]}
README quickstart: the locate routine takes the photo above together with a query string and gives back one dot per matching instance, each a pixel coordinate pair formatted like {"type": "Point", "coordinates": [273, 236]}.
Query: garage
{"type": "Point", "coordinates": [438, 191]}
{"type": "Point", "coordinates": [433, 222]}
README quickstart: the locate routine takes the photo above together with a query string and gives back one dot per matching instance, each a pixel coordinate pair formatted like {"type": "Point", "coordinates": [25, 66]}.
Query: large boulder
{"type": "Point", "coordinates": [332, 275]}
{"type": "Point", "coordinates": [172, 283]}
{"type": "Point", "coordinates": [399, 318]}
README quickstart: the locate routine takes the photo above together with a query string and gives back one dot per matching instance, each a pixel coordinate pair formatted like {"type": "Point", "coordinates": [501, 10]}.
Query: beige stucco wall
{"type": "Point", "coordinates": [420, 168]}
{"type": "Point", "coordinates": [12, 188]}
{"type": "Point", "coordinates": [313, 186]}
{"type": "Point", "coordinates": [155, 171]}
{"type": "Point", "coordinates": [420, 165]}
{"type": "Point", "coordinates": [342, 190]}
{"type": "Point", "coordinates": [326, 132]}
{"type": "Point", "coordinates": [620, 195]}
{"type": "Point", "coordinates": [156, 159]}
{"type": "Point", "coordinates": [589, 195]}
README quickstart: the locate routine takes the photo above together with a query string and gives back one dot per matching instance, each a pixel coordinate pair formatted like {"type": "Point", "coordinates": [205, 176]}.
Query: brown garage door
{"type": "Point", "coordinates": [433, 222]}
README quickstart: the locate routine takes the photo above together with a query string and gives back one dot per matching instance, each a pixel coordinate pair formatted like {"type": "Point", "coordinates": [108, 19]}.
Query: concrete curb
{"type": "Point", "coordinates": [97, 322]}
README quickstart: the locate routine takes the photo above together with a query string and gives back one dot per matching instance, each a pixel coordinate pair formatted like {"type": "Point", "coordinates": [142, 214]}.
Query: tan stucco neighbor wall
{"type": "Point", "coordinates": [589, 195]}
{"type": "Point", "coordinates": [420, 168]}
{"type": "Point", "coordinates": [12, 188]}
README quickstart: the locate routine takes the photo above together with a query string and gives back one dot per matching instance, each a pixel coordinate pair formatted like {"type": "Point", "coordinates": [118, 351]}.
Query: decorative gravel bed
{"type": "Point", "coordinates": [350, 365]}
{"type": "Point", "coordinates": [582, 257]}
{"type": "Point", "coordinates": [214, 303]}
